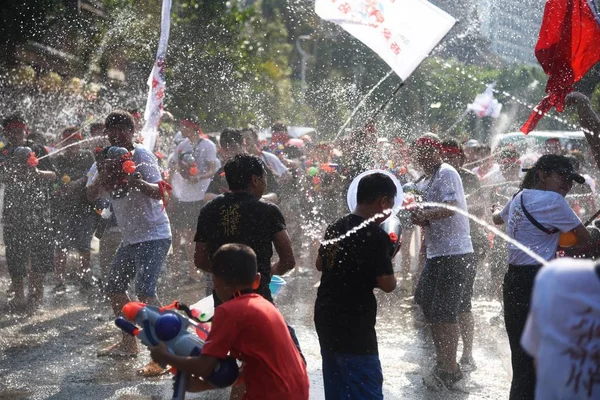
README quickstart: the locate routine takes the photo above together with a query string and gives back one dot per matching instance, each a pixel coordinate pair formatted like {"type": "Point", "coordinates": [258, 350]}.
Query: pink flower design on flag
{"type": "Point", "coordinates": [395, 48]}
{"type": "Point", "coordinates": [154, 83]}
{"type": "Point", "coordinates": [387, 34]}
{"type": "Point", "coordinates": [345, 8]}
{"type": "Point", "coordinates": [160, 93]}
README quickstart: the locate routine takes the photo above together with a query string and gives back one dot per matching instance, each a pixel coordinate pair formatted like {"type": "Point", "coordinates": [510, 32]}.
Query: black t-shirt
{"type": "Point", "coordinates": [219, 185]}
{"type": "Point", "coordinates": [346, 309]}
{"type": "Point", "coordinates": [242, 218]}
{"type": "Point", "coordinates": [76, 168]}
{"type": "Point", "coordinates": [26, 198]}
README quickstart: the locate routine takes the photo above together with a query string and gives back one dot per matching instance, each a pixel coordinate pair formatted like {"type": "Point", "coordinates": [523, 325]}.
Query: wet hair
{"type": "Point", "coordinates": [38, 138]}
{"type": "Point", "coordinates": [235, 263]}
{"type": "Point", "coordinates": [240, 170]}
{"type": "Point", "coordinates": [546, 163]}
{"type": "Point", "coordinates": [120, 119]}
{"type": "Point", "coordinates": [278, 126]}
{"type": "Point", "coordinates": [231, 137]}
{"type": "Point", "coordinates": [375, 186]}
{"type": "Point", "coordinates": [13, 118]}
{"type": "Point", "coordinates": [97, 126]}
{"type": "Point", "coordinates": [191, 118]}
{"type": "Point", "coordinates": [507, 152]}
{"type": "Point", "coordinates": [250, 132]}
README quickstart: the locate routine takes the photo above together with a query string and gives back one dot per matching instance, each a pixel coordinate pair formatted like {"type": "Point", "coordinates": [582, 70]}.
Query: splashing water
{"type": "Point", "coordinates": [458, 210]}
{"type": "Point", "coordinates": [362, 101]}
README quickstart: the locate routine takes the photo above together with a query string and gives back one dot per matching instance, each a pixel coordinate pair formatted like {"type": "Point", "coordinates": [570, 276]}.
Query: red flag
{"type": "Point", "coordinates": [568, 46]}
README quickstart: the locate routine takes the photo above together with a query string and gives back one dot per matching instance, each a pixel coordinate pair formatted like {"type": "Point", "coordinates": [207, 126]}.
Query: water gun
{"type": "Point", "coordinates": [171, 328]}
{"type": "Point", "coordinates": [23, 155]}
{"type": "Point", "coordinates": [188, 165]}
{"type": "Point", "coordinates": [119, 171]}
{"type": "Point", "coordinates": [393, 227]}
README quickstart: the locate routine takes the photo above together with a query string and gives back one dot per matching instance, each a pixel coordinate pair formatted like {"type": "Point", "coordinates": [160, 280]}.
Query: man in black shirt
{"type": "Point", "coordinates": [352, 265]}
{"type": "Point", "coordinates": [74, 217]}
{"type": "Point", "coordinates": [26, 212]}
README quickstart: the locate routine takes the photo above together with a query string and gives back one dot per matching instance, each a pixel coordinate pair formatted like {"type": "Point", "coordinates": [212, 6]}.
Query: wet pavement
{"type": "Point", "coordinates": [52, 354]}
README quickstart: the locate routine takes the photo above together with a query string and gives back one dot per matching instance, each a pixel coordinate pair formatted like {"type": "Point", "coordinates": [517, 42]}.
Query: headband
{"type": "Point", "coordinates": [193, 125]}
{"type": "Point", "coordinates": [425, 141]}
{"type": "Point", "coordinates": [15, 125]}
{"type": "Point", "coordinates": [451, 150]}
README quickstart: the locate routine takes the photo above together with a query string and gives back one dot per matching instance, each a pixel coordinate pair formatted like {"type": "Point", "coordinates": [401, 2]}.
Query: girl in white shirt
{"type": "Point", "coordinates": [536, 217]}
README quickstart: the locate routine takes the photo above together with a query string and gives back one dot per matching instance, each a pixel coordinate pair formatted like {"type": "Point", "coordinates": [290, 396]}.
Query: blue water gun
{"type": "Point", "coordinates": [167, 326]}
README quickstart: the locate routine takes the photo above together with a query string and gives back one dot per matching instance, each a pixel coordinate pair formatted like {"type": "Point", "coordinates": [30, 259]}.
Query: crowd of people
{"type": "Point", "coordinates": [212, 210]}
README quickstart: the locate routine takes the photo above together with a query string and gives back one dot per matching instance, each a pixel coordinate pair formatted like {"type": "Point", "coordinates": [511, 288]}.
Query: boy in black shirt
{"type": "Point", "coordinates": [346, 309]}
{"type": "Point", "coordinates": [241, 216]}
{"type": "Point", "coordinates": [26, 212]}
{"type": "Point", "coordinates": [75, 219]}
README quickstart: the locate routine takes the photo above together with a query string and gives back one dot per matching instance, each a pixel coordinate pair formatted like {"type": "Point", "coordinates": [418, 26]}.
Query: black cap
{"type": "Point", "coordinates": [560, 164]}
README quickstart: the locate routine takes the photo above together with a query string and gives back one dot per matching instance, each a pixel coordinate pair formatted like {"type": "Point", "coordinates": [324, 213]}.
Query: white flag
{"type": "Point", "coordinates": [401, 32]}
{"type": "Point", "coordinates": [485, 105]}
{"type": "Point", "coordinates": [156, 82]}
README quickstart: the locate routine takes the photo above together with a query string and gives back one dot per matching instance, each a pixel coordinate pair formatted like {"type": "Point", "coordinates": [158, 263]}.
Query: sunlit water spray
{"type": "Point", "coordinates": [457, 210]}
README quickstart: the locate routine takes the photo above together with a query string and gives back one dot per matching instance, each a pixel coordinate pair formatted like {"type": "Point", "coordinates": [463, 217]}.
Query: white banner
{"type": "Point", "coordinates": [156, 82]}
{"type": "Point", "coordinates": [401, 32]}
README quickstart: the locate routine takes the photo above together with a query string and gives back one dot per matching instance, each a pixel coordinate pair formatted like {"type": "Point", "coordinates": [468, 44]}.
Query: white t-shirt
{"type": "Point", "coordinates": [563, 330]}
{"type": "Point", "coordinates": [448, 236]}
{"type": "Point", "coordinates": [548, 208]}
{"type": "Point", "coordinates": [204, 153]}
{"type": "Point", "coordinates": [274, 164]}
{"type": "Point", "coordinates": [140, 218]}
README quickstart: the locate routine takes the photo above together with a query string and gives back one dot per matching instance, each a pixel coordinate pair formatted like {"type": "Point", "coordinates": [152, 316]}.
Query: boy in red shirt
{"type": "Point", "coordinates": [249, 328]}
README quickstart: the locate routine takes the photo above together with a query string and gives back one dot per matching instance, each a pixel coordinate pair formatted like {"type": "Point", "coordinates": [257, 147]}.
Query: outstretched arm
{"type": "Point", "coordinates": [589, 120]}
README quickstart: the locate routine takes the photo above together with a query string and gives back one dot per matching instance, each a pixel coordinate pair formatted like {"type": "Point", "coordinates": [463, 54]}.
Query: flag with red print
{"type": "Point", "coordinates": [568, 46]}
{"type": "Point", "coordinates": [157, 82]}
{"type": "Point", "coordinates": [401, 32]}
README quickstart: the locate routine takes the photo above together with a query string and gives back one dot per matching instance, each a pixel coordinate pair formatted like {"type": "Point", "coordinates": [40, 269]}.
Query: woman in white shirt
{"type": "Point", "coordinates": [536, 217]}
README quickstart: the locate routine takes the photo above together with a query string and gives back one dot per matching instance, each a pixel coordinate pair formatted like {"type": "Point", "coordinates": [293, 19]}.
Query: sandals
{"type": "Point", "coordinates": [115, 351]}
{"type": "Point", "coordinates": [152, 369]}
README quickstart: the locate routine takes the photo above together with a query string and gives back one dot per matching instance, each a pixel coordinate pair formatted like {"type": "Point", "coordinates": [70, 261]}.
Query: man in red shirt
{"type": "Point", "coordinates": [248, 327]}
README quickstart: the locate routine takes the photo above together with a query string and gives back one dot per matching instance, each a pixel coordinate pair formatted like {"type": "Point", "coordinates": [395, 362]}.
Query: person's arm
{"type": "Point", "coordinates": [589, 120]}
{"type": "Point", "coordinates": [387, 283]}
{"type": "Point", "coordinates": [48, 176]}
{"type": "Point", "coordinates": [584, 239]}
{"type": "Point", "coordinates": [319, 263]}
{"type": "Point", "coordinates": [95, 188]}
{"type": "Point", "coordinates": [202, 257]}
{"type": "Point", "coordinates": [151, 190]}
{"type": "Point", "coordinates": [201, 366]}
{"type": "Point", "coordinates": [283, 247]}
{"type": "Point", "coordinates": [271, 198]}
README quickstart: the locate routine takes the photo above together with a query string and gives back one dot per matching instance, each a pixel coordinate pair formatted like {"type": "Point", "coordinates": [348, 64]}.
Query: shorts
{"type": "Point", "coordinates": [184, 214]}
{"type": "Point", "coordinates": [142, 261]}
{"type": "Point", "coordinates": [76, 233]}
{"type": "Point", "coordinates": [25, 243]}
{"type": "Point", "coordinates": [351, 376]}
{"type": "Point", "coordinates": [446, 287]}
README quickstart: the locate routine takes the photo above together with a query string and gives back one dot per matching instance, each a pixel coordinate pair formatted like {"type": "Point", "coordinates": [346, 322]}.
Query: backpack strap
{"type": "Point", "coordinates": [534, 221]}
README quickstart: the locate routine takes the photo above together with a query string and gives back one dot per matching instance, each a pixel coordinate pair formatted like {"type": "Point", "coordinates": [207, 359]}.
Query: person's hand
{"type": "Point", "coordinates": [576, 98]}
{"type": "Point", "coordinates": [418, 217]}
{"type": "Point", "coordinates": [159, 353]}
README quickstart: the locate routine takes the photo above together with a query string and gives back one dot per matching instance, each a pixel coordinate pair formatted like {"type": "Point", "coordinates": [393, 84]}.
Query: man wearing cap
{"type": "Point", "coordinates": [26, 213]}
{"type": "Point", "coordinates": [442, 291]}
{"type": "Point", "coordinates": [74, 218]}
{"type": "Point", "coordinates": [191, 168]}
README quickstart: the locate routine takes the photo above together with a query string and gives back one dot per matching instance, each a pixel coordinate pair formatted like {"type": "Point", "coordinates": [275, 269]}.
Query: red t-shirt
{"type": "Point", "coordinates": [253, 330]}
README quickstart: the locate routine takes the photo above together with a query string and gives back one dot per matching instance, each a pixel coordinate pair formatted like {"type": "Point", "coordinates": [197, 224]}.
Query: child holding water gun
{"type": "Point", "coordinates": [248, 327]}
